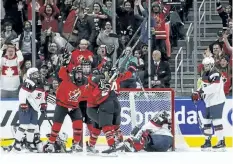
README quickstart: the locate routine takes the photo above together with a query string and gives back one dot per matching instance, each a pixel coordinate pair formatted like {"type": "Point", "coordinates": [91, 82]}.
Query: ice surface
{"type": "Point", "coordinates": [194, 156]}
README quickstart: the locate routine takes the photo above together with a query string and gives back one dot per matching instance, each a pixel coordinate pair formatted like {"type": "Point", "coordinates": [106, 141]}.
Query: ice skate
{"type": "Point", "coordinates": [91, 150]}
{"type": "Point", "coordinates": [17, 148]}
{"type": "Point", "coordinates": [206, 146]}
{"type": "Point", "coordinates": [7, 148]}
{"type": "Point", "coordinates": [110, 152]}
{"type": "Point", "coordinates": [31, 147]}
{"type": "Point", "coordinates": [76, 148]}
{"type": "Point", "coordinates": [220, 146]}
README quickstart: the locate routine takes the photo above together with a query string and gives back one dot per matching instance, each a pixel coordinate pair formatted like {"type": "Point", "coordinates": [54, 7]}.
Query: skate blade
{"type": "Point", "coordinates": [109, 155]}
{"type": "Point", "coordinates": [206, 149]}
{"type": "Point", "coordinates": [92, 154]}
{"type": "Point", "coordinates": [219, 150]}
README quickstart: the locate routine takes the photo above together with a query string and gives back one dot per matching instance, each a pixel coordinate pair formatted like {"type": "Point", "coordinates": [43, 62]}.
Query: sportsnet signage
{"type": "Point", "coordinates": [186, 117]}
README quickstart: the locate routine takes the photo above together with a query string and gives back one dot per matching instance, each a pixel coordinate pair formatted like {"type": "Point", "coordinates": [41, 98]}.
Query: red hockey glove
{"type": "Point", "coordinates": [23, 107]}
{"type": "Point", "coordinates": [43, 107]}
{"type": "Point", "coordinates": [195, 96]}
{"type": "Point", "coordinates": [132, 69]}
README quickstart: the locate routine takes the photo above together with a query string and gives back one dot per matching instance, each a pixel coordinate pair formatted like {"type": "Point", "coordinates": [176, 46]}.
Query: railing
{"type": "Point", "coordinates": [201, 16]}
{"type": "Point", "coordinates": [187, 39]}
{"type": "Point", "coordinates": [215, 7]}
{"type": "Point", "coordinates": [177, 67]}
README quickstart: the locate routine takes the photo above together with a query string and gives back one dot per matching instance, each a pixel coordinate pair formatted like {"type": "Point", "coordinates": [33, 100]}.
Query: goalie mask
{"type": "Point", "coordinates": [163, 117]}
{"type": "Point", "coordinates": [33, 74]}
{"type": "Point", "coordinates": [208, 63]}
{"type": "Point", "coordinates": [86, 67]}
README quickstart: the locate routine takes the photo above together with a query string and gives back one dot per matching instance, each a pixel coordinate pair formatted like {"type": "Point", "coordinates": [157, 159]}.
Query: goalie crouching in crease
{"type": "Point", "coordinates": [154, 136]}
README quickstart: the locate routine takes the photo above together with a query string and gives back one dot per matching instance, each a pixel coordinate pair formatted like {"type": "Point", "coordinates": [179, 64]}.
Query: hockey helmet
{"type": "Point", "coordinates": [208, 63]}
{"type": "Point", "coordinates": [33, 74]}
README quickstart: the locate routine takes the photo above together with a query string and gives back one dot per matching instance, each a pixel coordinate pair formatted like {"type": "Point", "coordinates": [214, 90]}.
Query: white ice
{"type": "Point", "coordinates": [193, 156]}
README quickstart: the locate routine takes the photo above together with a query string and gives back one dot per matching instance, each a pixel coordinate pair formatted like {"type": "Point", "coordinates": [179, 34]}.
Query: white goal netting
{"type": "Point", "coordinates": [138, 107]}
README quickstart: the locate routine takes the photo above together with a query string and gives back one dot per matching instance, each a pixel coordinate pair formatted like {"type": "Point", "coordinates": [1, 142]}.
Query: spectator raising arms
{"type": "Point", "coordinates": [11, 62]}
{"type": "Point", "coordinates": [49, 13]}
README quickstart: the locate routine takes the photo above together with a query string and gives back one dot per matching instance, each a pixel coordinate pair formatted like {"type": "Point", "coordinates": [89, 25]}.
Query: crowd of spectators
{"type": "Point", "coordinates": [221, 49]}
{"type": "Point", "coordinates": [87, 26]}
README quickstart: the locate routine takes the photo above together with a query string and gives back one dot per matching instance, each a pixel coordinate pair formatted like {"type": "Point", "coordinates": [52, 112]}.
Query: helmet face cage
{"type": "Point", "coordinates": [86, 67]}
{"type": "Point", "coordinates": [35, 76]}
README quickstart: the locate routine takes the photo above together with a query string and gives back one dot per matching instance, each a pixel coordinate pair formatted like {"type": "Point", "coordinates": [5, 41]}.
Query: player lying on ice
{"type": "Point", "coordinates": [154, 136]}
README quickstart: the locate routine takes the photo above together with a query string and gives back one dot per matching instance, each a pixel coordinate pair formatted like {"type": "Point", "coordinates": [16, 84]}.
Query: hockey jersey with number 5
{"type": "Point", "coordinates": [32, 95]}
{"type": "Point", "coordinates": [213, 88]}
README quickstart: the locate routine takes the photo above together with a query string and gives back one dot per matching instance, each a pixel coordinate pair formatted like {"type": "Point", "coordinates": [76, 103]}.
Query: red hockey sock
{"type": "Point", "coordinates": [94, 136]}
{"type": "Point", "coordinates": [89, 127]}
{"type": "Point", "coordinates": [77, 130]}
{"type": "Point", "coordinates": [139, 145]}
{"type": "Point", "coordinates": [118, 133]}
{"type": "Point", "coordinates": [108, 131]}
{"type": "Point", "coordinates": [55, 130]}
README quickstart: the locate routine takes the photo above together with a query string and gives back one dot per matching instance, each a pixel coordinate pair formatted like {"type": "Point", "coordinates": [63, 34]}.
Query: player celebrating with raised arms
{"type": "Point", "coordinates": [31, 101]}
{"type": "Point", "coordinates": [212, 93]}
{"type": "Point", "coordinates": [68, 97]}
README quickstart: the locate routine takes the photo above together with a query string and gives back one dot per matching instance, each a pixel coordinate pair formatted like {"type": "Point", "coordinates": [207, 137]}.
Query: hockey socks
{"type": "Point", "coordinates": [118, 133]}
{"type": "Point", "coordinates": [89, 127]}
{"type": "Point", "coordinates": [55, 130]}
{"type": "Point", "coordinates": [77, 130]}
{"type": "Point", "coordinates": [108, 131]}
{"type": "Point", "coordinates": [94, 136]}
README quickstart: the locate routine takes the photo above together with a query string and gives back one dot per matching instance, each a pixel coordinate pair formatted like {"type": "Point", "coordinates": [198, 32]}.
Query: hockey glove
{"type": "Point", "coordinates": [195, 96]}
{"type": "Point", "coordinates": [23, 107]}
{"type": "Point", "coordinates": [43, 107]}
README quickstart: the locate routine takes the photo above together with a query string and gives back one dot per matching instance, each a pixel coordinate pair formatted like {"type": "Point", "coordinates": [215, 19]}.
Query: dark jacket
{"type": "Point", "coordinates": [86, 29]}
{"type": "Point", "coordinates": [162, 71]}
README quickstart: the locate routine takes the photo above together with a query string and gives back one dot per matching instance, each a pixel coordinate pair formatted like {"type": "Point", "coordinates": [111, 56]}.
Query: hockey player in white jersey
{"type": "Point", "coordinates": [31, 101]}
{"type": "Point", "coordinates": [212, 93]}
{"type": "Point", "coordinates": [154, 136]}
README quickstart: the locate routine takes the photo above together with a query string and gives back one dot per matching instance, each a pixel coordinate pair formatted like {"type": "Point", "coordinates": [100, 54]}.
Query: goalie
{"type": "Point", "coordinates": [154, 136]}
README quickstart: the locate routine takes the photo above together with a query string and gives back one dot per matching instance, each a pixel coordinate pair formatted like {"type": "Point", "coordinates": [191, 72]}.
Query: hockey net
{"type": "Point", "coordinates": [138, 107]}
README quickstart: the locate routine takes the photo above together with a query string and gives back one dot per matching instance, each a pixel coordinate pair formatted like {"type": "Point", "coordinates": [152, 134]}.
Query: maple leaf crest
{"type": "Point", "coordinates": [9, 72]}
{"type": "Point", "coordinates": [74, 95]}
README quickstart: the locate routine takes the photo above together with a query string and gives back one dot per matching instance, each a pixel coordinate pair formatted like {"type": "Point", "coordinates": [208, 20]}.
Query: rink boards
{"type": "Point", "coordinates": [186, 117]}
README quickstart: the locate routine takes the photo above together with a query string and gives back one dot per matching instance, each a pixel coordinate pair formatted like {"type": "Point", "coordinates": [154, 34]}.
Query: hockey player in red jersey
{"type": "Point", "coordinates": [103, 106]}
{"type": "Point", "coordinates": [68, 97]}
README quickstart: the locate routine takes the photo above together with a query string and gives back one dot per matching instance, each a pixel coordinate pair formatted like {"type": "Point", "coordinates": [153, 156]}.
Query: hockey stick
{"type": "Point", "coordinates": [123, 63]}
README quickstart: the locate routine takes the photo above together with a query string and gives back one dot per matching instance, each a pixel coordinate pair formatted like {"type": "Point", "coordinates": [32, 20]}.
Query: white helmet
{"type": "Point", "coordinates": [30, 71]}
{"type": "Point", "coordinates": [208, 63]}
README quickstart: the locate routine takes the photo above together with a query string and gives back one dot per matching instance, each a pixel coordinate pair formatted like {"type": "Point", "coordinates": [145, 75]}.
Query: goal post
{"type": "Point", "coordinates": [143, 105]}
